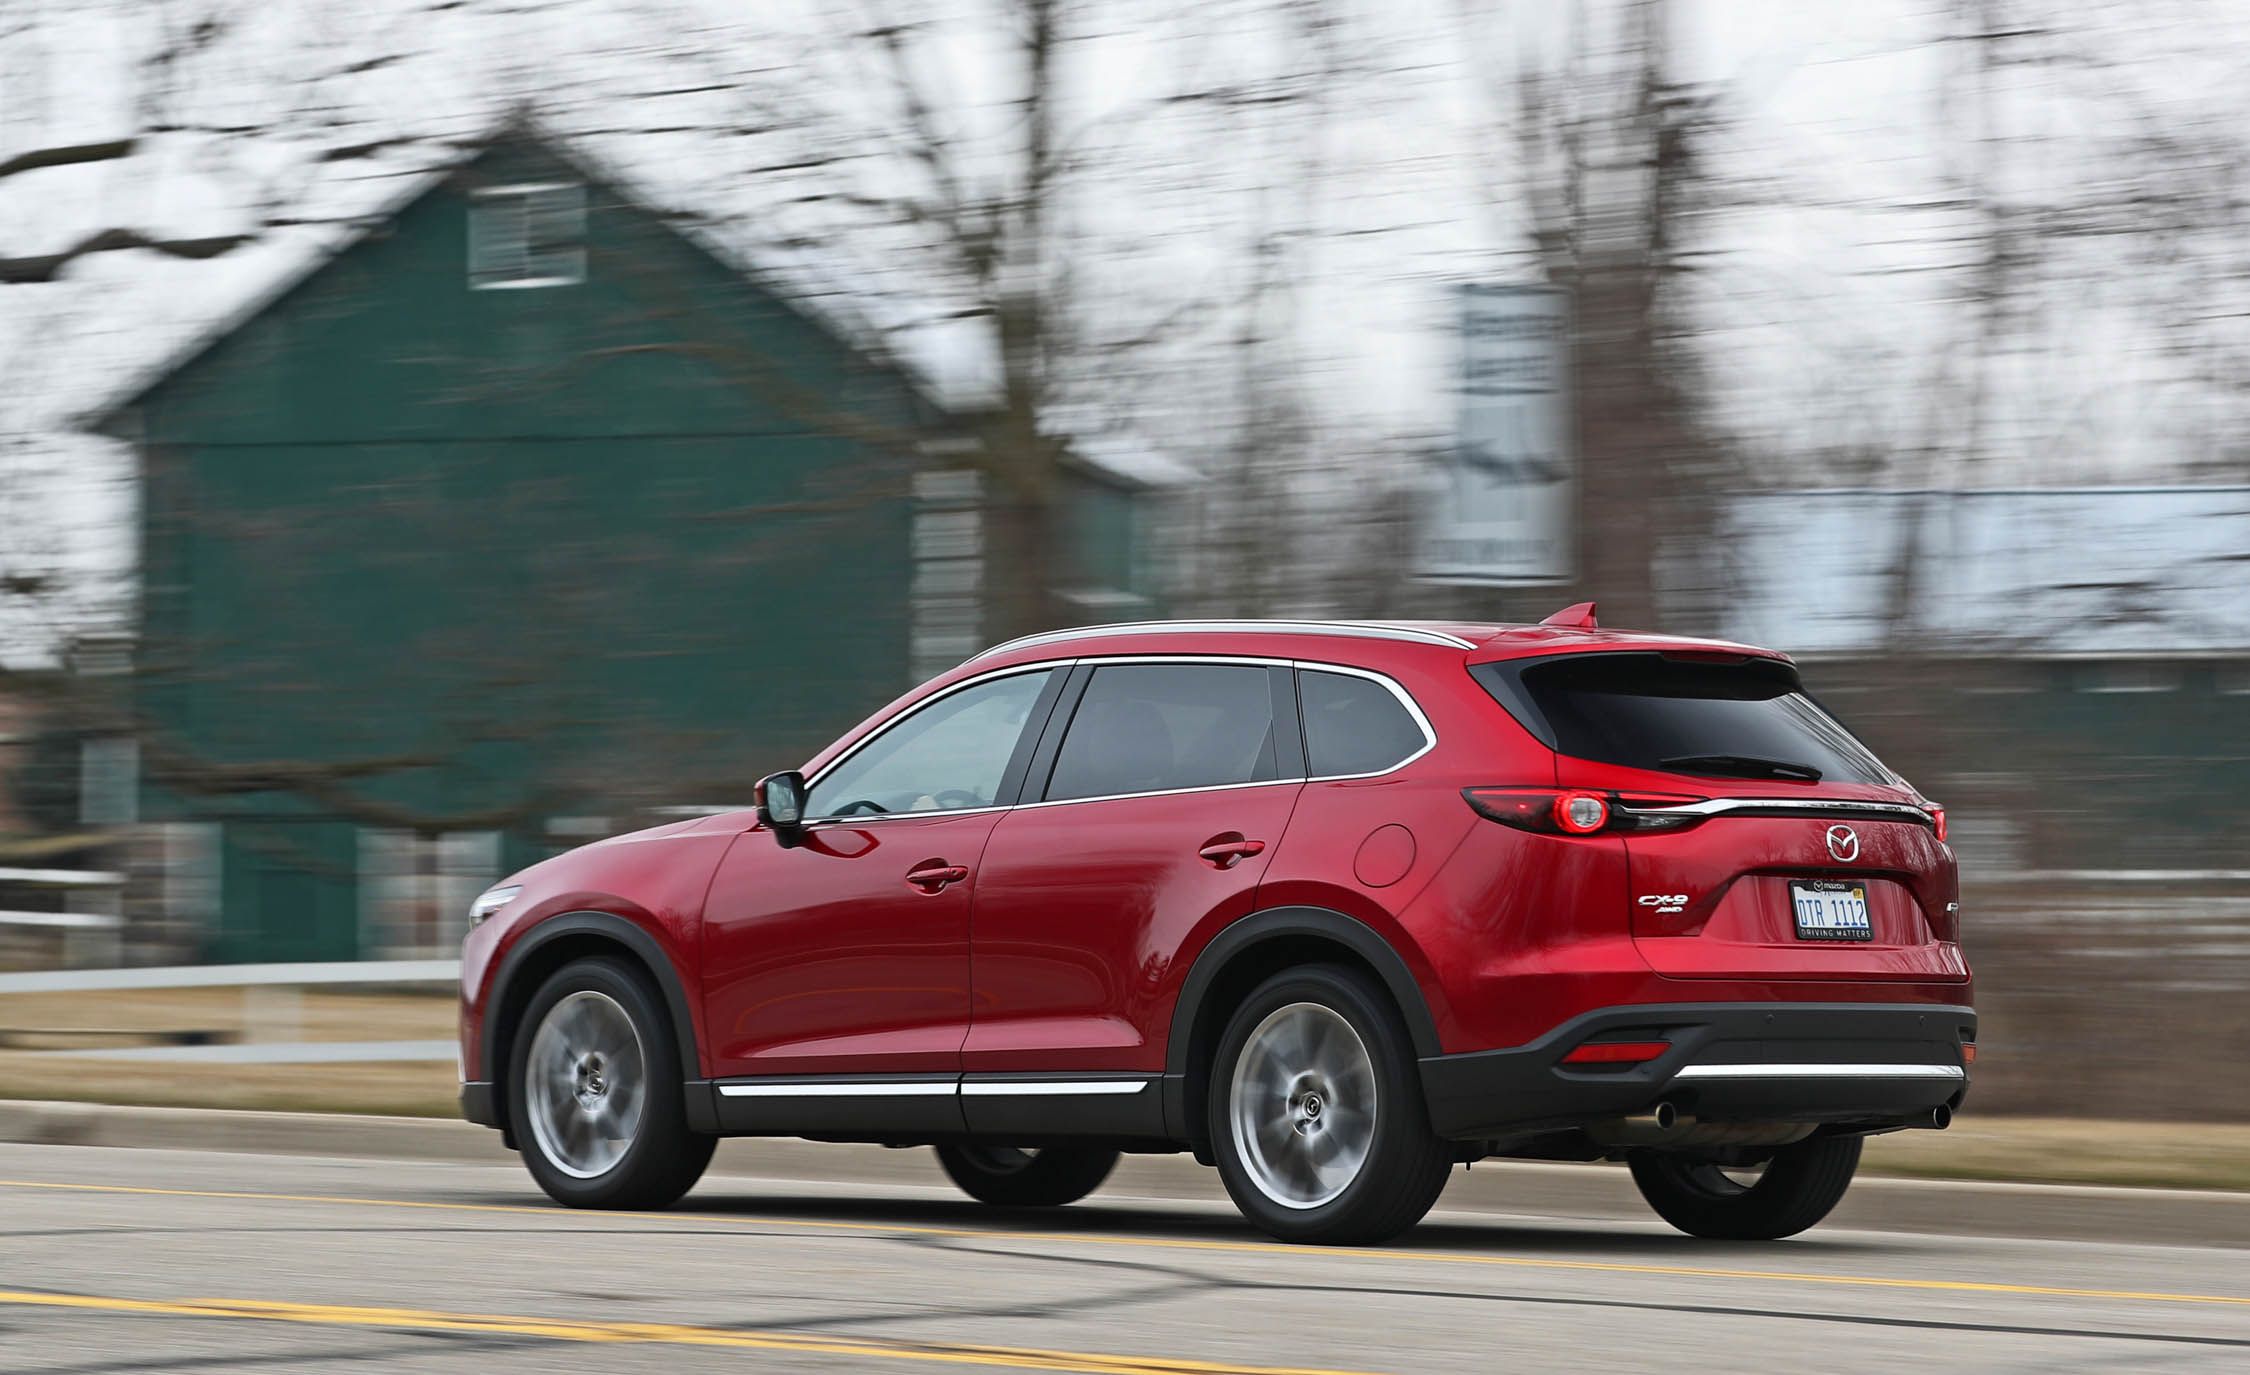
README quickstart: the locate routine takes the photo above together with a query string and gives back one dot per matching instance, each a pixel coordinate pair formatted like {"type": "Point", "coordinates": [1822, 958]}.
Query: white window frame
{"type": "Point", "coordinates": [567, 264]}
{"type": "Point", "coordinates": [2154, 676]}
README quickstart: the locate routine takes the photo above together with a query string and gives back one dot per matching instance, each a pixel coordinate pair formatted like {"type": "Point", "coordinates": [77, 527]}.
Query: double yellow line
{"type": "Point", "coordinates": [663, 1334]}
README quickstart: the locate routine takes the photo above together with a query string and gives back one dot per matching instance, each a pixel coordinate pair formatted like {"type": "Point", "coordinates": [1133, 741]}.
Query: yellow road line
{"type": "Point", "coordinates": [665, 1334]}
{"type": "Point", "coordinates": [1180, 1244]}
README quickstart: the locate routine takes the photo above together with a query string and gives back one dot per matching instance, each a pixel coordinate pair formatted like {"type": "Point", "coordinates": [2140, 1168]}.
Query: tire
{"type": "Point", "coordinates": [1011, 1178]}
{"type": "Point", "coordinates": [1800, 1186]}
{"type": "Point", "coordinates": [1316, 1115]}
{"type": "Point", "coordinates": [594, 1093]}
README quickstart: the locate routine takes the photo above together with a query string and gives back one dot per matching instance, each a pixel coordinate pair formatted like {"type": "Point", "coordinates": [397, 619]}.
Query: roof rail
{"type": "Point", "coordinates": [1367, 630]}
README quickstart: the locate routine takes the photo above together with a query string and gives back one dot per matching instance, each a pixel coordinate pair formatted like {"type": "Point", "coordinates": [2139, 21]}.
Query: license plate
{"type": "Point", "coordinates": [1831, 910]}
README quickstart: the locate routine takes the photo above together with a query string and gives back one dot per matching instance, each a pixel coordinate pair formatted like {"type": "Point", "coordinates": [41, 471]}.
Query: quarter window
{"type": "Point", "coordinates": [945, 757]}
{"type": "Point", "coordinates": [1354, 725]}
{"type": "Point", "coordinates": [1144, 728]}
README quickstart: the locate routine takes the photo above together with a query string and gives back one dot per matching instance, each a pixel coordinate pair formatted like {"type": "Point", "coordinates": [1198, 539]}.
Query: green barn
{"type": "Point", "coordinates": [520, 514]}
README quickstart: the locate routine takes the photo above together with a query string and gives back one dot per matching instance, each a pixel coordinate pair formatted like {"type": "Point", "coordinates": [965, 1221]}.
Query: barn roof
{"type": "Point", "coordinates": [951, 364]}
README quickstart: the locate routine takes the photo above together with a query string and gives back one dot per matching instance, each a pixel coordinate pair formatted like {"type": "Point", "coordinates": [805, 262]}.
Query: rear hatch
{"type": "Point", "coordinates": [1763, 840]}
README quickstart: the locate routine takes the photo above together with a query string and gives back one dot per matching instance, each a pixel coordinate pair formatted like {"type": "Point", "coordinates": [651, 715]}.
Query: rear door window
{"type": "Point", "coordinates": [1355, 725]}
{"type": "Point", "coordinates": [1143, 728]}
{"type": "Point", "coordinates": [1723, 719]}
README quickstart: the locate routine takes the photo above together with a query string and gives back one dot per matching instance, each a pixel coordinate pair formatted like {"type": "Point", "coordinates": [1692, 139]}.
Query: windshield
{"type": "Point", "coordinates": [1732, 719]}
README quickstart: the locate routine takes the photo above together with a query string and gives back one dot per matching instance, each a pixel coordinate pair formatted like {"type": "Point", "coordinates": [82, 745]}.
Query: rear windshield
{"type": "Point", "coordinates": [1688, 716]}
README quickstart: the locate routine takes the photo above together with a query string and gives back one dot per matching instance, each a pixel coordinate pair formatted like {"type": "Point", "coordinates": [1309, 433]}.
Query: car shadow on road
{"type": "Point", "coordinates": [1184, 1221]}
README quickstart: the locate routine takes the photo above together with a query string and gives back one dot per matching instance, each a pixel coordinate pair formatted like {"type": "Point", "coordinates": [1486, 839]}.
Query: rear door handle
{"type": "Point", "coordinates": [1228, 853]}
{"type": "Point", "coordinates": [934, 875]}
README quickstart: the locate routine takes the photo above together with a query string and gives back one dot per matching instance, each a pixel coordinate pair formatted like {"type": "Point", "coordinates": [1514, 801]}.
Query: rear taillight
{"type": "Point", "coordinates": [1937, 819]}
{"type": "Point", "coordinates": [1581, 814]}
{"type": "Point", "coordinates": [1576, 811]}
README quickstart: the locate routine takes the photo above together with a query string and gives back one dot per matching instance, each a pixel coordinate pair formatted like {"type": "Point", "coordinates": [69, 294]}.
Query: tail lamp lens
{"type": "Point", "coordinates": [1937, 819]}
{"type": "Point", "coordinates": [1543, 809]}
{"type": "Point", "coordinates": [1526, 809]}
{"type": "Point", "coordinates": [1580, 814]}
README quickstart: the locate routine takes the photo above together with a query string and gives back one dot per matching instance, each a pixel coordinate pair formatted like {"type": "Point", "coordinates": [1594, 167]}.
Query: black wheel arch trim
{"type": "Point", "coordinates": [1280, 923]}
{"type": "Point", "coordinates": [608, 926]}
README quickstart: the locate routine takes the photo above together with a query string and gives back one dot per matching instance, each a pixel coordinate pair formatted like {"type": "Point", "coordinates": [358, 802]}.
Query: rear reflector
{"type": "Point", "coordinates": [1968, 1052]}
{"type": "Point", "coordinates": [1616, 1052]}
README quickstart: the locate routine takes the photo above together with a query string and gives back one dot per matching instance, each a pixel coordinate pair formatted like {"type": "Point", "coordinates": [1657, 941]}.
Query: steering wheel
{"type": "Point", "coordinates": [866, 806]}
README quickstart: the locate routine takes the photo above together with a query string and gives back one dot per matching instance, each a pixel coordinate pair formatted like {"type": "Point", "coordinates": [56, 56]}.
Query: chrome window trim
{"type": "Point", "coordinates": [1396, 689]}
{"type": "Point", "coordinates": [1821, 1071]}
{"type": "Point", "coordinates": [1366, 630]}
{"type": "Point", "coordinates": [1429, 732]}
{"type": "Point", "coordinates": [1392, 685]}
{"type": "Point", "coordinates": [1162, 792]}
{"type": "Point", "coordinates": [813, 781]}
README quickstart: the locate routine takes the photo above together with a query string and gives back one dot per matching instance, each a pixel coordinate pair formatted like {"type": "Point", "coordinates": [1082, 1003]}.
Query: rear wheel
{"type": "Point", "coordinates": [595, 1096]}
{"type": "Point", "coordinates": [1016, 1178]}
{"type": "Point", "coordinates": [1795, 1189]}
{"type": "Point", "coordinates": [1316, 1114]}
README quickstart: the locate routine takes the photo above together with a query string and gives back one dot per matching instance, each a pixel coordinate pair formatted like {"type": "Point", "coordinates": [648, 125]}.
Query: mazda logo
{"type": "Point", "coordinates": [1843, 843]}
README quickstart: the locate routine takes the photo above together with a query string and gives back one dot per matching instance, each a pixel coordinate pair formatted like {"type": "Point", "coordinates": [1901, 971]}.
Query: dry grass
{"type": "Point", "coordinates": [261, 1014]}
{"type": "Point", "coordinates": [421, 1089]}
{"type": "Point", "coordinates": [412, 1090]}
{"type": "Point", "coordinates": [2054, 1150]}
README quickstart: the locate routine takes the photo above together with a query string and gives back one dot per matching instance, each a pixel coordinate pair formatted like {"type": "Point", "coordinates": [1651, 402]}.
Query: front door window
{"type": "Point", "coordinates": [947, 756]}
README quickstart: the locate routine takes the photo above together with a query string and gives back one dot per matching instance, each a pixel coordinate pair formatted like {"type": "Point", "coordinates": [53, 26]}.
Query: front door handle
{"type": "Point", "coordinates": [1226, 853]}
{"type": "Point", "coordinates": [932, 876]}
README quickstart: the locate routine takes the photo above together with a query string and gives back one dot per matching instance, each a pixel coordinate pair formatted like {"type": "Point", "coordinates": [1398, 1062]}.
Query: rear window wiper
{"type": "Point", "coordinates": [1742, 766]}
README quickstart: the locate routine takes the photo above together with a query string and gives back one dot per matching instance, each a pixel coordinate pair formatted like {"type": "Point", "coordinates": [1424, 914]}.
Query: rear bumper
{"type": "Point", "coordinates": [1872, 1063]}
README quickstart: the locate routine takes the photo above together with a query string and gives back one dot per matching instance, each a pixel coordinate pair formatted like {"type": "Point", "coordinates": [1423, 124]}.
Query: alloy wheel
{"type": "Point", "coordinates": [1302, 1105]}
{"type": "Point", "coordinates": [587, 1082]}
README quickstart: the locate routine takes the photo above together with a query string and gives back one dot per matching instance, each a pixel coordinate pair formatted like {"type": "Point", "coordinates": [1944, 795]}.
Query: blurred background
{"type": "Point", "coordinates": [436, 433]}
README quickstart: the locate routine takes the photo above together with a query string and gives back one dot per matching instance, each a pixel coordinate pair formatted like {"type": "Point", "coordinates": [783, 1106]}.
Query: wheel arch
{"type": "Point", "coordinates": [549, 946]}
{"type": "Point", "coordinates": [1243, 956]}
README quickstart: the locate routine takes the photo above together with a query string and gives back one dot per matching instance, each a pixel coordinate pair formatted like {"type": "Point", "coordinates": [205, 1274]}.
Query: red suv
{"type": "Point", "coordinates": [1333, 906]}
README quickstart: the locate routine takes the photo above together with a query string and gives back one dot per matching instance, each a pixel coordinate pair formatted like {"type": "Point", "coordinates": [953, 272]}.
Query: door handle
{"type": "Point", "coordinates": [1225, 854]}
{"type": "Point", "coordinates": [934, 875]}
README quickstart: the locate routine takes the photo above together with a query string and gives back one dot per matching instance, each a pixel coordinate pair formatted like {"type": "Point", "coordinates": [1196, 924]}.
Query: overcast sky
{"type": "Point", "coordinates": [1828, 280]}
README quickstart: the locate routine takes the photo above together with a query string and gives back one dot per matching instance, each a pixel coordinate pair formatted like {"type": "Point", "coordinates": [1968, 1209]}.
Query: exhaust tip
{"type": "Point", "coordinates": [1665, 1116]}
{"type": "Point", "coordinates": [1941, 1117]}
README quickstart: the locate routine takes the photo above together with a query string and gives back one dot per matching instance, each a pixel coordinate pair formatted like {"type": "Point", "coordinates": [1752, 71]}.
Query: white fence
{"type": "Point", "coordinates": [233, 976]}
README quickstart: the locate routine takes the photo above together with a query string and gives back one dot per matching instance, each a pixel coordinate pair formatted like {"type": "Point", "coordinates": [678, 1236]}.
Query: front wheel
{"type": "Point", "coordinates": [1795, 1189]}
{"type": "Point", "coordinates": [1316, 1114]}
{"type": "Point", "coordinates": [1014, 1178]}
{"type": "Point", "coordinates": [595, 1095]}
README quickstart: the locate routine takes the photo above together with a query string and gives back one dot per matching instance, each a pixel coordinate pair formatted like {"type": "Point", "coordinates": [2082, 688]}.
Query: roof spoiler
{"type": "Point", "coordinates": [1577, 616]}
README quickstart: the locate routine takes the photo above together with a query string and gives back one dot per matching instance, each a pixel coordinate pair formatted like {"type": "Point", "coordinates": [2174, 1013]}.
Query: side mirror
{"type": "Point", "coordinates": [781, 800]}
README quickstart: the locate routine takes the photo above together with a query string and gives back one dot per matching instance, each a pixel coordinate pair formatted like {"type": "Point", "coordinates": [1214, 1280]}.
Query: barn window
{"type": "Point", "coordinates": [529, 235]}
{"type": "Point", "coordinates": [2128, 675]}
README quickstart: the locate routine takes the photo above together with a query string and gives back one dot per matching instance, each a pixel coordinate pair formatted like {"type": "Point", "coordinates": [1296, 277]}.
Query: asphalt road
{"type": "Point", "coordinates": [130, 1260]}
